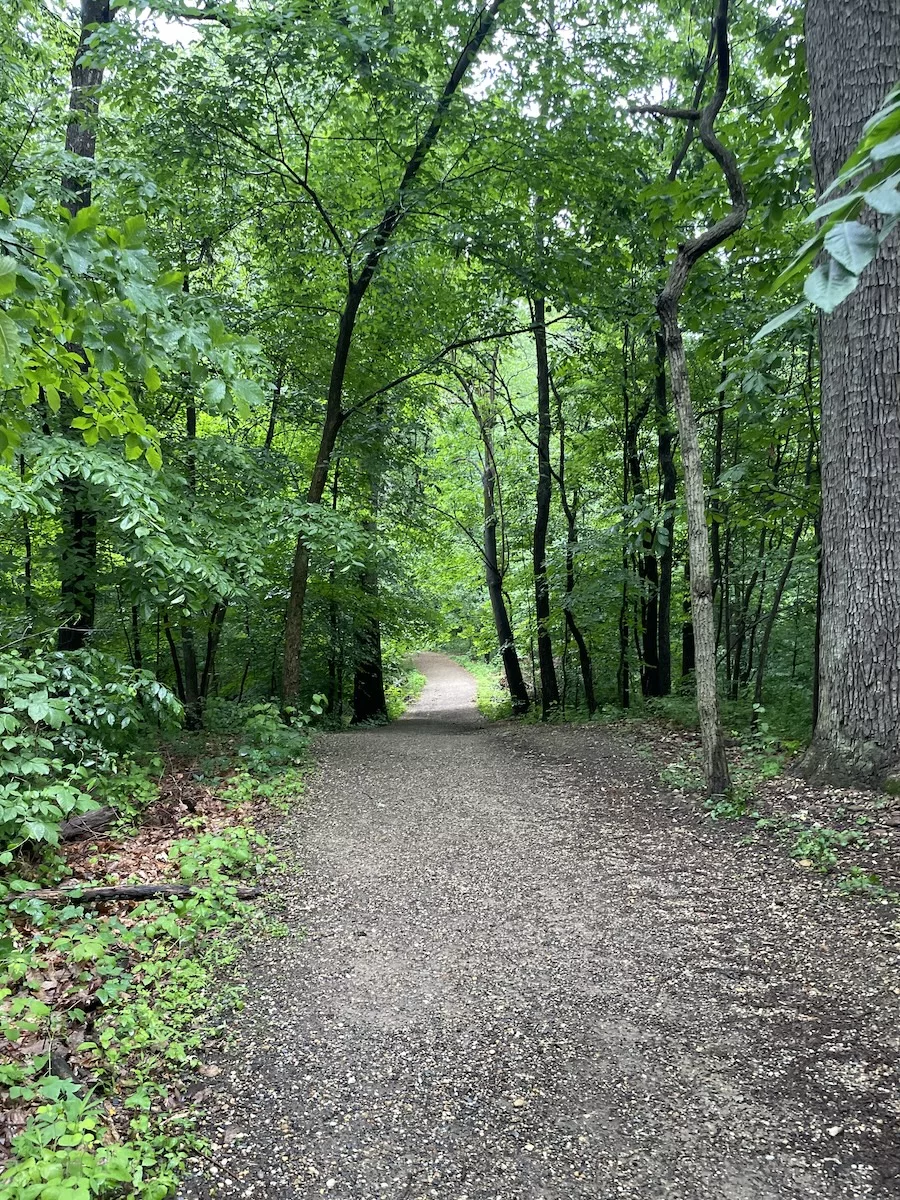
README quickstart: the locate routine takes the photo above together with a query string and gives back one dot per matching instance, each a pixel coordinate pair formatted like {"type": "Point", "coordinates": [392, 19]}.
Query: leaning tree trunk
{"type": "Point", "coordinates": [853, 50]}
{"type": "Point", "coordinates": [715, 762]}
{"type": "Point", "coordinates": [78, 522]}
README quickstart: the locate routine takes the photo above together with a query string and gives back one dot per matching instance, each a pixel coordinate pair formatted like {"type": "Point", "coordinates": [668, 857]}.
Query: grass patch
{"type": "Point", "coordinates": [403, 689]}
{"type": "Point", "coordinates": [491, 695]}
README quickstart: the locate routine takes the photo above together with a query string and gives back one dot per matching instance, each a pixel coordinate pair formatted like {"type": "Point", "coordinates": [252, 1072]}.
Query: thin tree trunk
{"type": "Point", "coordinates": [666, 458]}
{"type": "Point", "coordinates": [716, 771]}
{"type": "Point", "coordinates": [369, 703]}
{"type": "Point", "coordinates": [176, 661]}
{"type": "Point", "coordinates": [549, 683]}
{"type": "Point", "coordinates": [213, 635]}
{"type": "Point", "coordinates": [688, 652]}
{"type": "Point", "coordinates": [27, 565]}
{"type": "Point", "coordinates": [773, 612]}
{"type": "Point", "coordinates": [571, 514]}
{"type": "Point", "coordinates": [512, 667]}
{"type": "Point", "coordinates": [136, 637]}
{"type": "Point", "coordinates": [273, 411]}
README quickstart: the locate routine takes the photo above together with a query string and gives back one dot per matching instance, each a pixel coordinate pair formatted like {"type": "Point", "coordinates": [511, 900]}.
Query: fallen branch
{"type": "Point", "coordinates": [86, 825]}
{"type": "Point", "coordinates": [139, 891]}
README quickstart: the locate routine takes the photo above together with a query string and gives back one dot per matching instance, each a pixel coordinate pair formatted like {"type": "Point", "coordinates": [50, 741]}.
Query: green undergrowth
{"type": "Point", "coordinates": [403, 687]}
{"type": "Point", "coordinates": [786, 719]}
{"type": "Point", "coordinates": [491, 696]}
{"type": "Point", "coordinates": [105, 1010]}
{"type": "Point", "coordinates": [812, 844]}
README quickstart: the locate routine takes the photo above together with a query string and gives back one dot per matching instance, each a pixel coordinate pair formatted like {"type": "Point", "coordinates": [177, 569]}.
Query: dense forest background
{"type": "Point", "coordinates": [330, 333]}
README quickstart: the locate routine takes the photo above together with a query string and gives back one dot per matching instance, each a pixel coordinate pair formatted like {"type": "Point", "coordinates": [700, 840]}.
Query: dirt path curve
{"type": "Point", "coordinates": [528, 972]}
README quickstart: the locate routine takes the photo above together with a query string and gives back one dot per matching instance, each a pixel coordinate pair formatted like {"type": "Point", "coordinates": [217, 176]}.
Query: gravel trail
{"type": "Point", "coordinates": [517, 968]}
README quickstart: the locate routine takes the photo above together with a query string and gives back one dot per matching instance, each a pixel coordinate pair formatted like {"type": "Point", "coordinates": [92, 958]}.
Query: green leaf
{"type": "Point", "coordinates": [85, 218]}
{"type": "Point", "coordinates": [170, 280]}
{"type": "Point", "coordinates": [7, 275]}
{"type": "Point", "coordinates": [213, 393]}
{"type": "Point", "coordinates": [829, 284]}
{"type": "Point", "coordinates": [154, 458]}
{"type": "Point", "coordinates": [853, 244]}
{"type": "Point", "coordinates": [134, 447]}
{"type": "Point", "coordinates": [247, 394]}
{"type": "Point", "coordinates": [9, 340]}
{"type": "Point", "coordinates": [781, 319]}
{"type": "Point", "coordinates": [885, 198]}
{"type": "Point", "coordinates": [803, 259]}
{"type": "Point", "coordinates": [841, 205]}
{"type": "Point", "coordinates": [152, 380]}
{"type": "Point", "coordinates": [886, 149]}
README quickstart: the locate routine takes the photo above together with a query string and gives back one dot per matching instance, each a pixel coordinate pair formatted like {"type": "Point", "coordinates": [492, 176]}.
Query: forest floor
{"type": "Point", "coordinates": [515, 965]}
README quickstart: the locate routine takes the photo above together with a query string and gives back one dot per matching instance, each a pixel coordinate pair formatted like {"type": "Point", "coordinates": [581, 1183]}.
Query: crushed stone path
{"type": "Point", "coordinates": [517, 968]}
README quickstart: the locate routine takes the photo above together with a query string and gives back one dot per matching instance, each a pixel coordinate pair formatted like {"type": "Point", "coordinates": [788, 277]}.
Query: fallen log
{"type": "Point", "coordinates": [86, 825]}
{"type": "Point", "coordinates": [136, 891]}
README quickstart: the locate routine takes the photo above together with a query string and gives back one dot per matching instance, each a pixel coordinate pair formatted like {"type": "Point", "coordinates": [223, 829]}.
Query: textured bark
{"type": "Point", "coordinates": [87, 825]}
{"type": "Point", "coordinates": [356, 290]}
{"type": "Point", "coordinates": [84, 105]}
{"type": "Point", "coordinates": [547, 668]}
{"type": "Point", "coordinates": [712, 737]}
{"type": "Point", "coordinates": [853, 49]}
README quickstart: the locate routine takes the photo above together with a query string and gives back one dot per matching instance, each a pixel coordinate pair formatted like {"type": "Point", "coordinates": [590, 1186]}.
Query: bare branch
{"type": "Point", "coordinates": [461, 344]}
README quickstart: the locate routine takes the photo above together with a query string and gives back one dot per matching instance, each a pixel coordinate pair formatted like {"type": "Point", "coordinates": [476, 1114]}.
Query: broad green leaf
{"type": "Point", "coordinates": [7, 275]}
{"type": "Point", "coordinates": [886, 149]}
{"type": "Point", "coordinates": [803, 259]}
{"type": "Point", "coordinates": [134, 447]}
{"type": "Point", "coordinates": [85, 218]}
{"type": "Point", "coordinates": [154, 458]}
{"type": "Point", "coordinates": [829, 284]}
{"type": "Point", "coordinates": [213, 392]}
{"type": "Point", "coordinates": [9, 340]}
{"type": "Point", "coordinates": [170, 280]}
{"type": "Point", "coordinates": [152, 379]}
{"type": "Point", "coordinates": [853, 244]}
{"type": "Point", "coordinates": [841, 206]}
{"type": "Point", "coordinates": [782, 319]}
{"type": "Point", "coordinates": [247, 394]}
{"type": "Point", "coordinates": [885, 198]}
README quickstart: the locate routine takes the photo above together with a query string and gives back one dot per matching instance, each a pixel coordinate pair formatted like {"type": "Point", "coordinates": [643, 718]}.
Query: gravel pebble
{"type": "Point", "coordinates": [517, 967]}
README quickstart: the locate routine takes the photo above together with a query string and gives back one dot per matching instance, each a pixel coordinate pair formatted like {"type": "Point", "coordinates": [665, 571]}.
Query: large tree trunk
{"type": "Point", "coordinates": [78, 523]}
{"type": "Point", "coordinates": [853, 49]}
{"type": "Point", "coordinates": [549, 684]}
